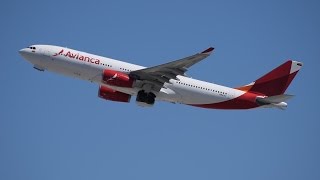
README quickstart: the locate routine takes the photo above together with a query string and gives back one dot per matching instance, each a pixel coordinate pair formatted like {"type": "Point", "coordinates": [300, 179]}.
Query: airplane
{"type": "Point", "coordinates": [119, 81]}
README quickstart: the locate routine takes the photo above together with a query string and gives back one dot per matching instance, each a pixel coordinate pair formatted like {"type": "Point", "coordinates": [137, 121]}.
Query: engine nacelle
{"type": "Point", "coordinates": [116, 78]}
{"type": "Point", "coordinates": [112, 95]}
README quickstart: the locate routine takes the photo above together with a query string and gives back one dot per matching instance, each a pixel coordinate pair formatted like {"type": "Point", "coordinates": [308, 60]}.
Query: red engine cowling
{"type": "Point", "coordinates": [116, 78]}
{"type": "Point", "coordinates": [112, 95]}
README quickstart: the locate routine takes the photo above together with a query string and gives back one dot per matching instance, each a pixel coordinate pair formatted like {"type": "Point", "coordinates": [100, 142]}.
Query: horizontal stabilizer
{"type": "Point", "coordinates": [275, 99]}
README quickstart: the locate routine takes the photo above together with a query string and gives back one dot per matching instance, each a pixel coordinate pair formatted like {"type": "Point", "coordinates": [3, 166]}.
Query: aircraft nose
{"type": "Point", "coordinates": [23, 51]}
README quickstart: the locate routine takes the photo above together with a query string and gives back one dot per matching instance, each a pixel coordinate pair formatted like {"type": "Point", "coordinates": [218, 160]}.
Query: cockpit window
{"type": "Point", "coordinates": [32, 47]}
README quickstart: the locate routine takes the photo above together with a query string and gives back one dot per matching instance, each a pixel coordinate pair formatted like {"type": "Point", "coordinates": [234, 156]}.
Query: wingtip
{"type": "Point", "coordinates": [207, 51]}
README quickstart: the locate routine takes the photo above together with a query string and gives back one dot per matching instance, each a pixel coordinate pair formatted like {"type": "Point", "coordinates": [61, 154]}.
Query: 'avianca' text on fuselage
{"type": "Point", "coordinates": [77, 56]}
{"type": "Point", "coordinates": [119, 81]}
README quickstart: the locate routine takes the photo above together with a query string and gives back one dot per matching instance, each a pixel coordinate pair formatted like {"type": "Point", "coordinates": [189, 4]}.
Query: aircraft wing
{"type": "Point", "coordinates": [158, 75]}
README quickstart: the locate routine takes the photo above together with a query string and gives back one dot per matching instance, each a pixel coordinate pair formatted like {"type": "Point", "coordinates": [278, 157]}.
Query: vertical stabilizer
{"type": "Point", "coordinates": [276, 81]}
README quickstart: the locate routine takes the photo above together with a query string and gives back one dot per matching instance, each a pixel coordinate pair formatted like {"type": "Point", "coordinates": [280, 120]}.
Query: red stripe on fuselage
{"type": "Point", "coordinates": [245, 101]}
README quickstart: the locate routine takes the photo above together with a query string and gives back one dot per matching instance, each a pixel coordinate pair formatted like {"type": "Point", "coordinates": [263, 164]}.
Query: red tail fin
{"type": "Point", "coordinates": [275, 82]}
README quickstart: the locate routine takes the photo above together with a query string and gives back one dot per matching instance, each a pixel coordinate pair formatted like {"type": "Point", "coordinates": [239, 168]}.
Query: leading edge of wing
{"type": "Point", "coordinates": [181, 65]}
{"type": "Point", "coordinates": [164, 72]}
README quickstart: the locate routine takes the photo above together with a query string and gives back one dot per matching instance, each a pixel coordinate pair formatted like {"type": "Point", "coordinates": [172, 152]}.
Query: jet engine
{"type": "Point", "coordinates": [116, 78]}
{"type": "Point", "coordinates": [112, 95]}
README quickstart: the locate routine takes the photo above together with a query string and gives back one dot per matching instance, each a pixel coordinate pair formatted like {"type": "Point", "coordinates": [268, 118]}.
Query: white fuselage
{"type": "Point", "coordinates": [90, 67]}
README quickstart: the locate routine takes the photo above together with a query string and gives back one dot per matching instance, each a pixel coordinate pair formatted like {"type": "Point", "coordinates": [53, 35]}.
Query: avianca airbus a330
{"type": "Point", "coordinates": [119, 80]}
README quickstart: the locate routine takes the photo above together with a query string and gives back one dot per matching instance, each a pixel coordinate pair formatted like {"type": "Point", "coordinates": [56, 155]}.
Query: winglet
{"type": "Point", "coordinates": [207, 51]}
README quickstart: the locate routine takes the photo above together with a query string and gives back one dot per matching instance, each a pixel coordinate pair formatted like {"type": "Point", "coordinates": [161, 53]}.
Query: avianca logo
{"type": "Point", "coordinates": [113, 77]}
{"type": "Point", "coordinates": [77, 56]}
